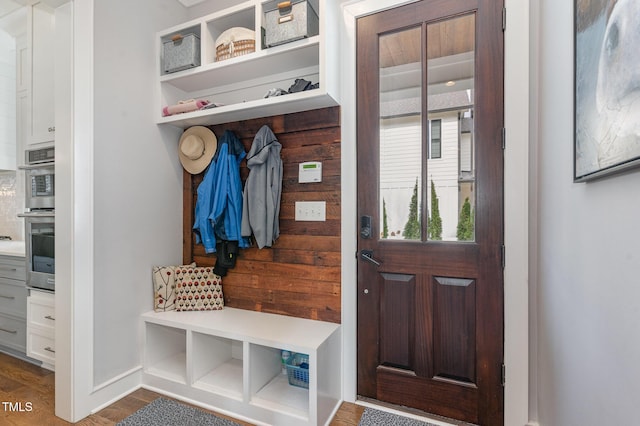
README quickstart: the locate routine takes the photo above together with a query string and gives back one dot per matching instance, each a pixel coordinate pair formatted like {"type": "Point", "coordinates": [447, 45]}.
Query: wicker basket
{"type": "Point", "coordinates": [235, 42]}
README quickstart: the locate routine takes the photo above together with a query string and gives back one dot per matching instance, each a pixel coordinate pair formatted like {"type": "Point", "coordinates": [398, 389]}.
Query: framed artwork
{"type": "Point", "coordinates": [606, 87]}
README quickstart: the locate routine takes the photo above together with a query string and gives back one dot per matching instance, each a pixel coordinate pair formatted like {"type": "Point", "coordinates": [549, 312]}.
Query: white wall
{"type": "Point", "coordinates": [120, 207]}
{"type": "Point", "coordinates": [138, 178]}
{"type": "Point", "coordinates": [588, 297]}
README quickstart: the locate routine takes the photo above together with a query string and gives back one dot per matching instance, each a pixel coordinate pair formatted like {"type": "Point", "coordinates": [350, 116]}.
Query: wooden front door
{"type": "Point", "coordinates": [430, 208]}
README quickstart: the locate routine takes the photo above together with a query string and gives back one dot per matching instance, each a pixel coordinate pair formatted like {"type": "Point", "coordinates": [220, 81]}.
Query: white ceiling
{"type": "Point", "coordinates": [13, 18]}
{"type": "Point", "coordinates": [9, 6]}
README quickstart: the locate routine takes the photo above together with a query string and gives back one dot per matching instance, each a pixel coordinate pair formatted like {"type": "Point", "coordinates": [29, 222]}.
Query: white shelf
{"type": "Point", "coordinates": [279, 395]}
{"type": "Point", "coordinates": [302, 101]}
{"type": "Point", "coordinates": [166, 353]}
{"type": "Point", "coordinates": [226, 379]}
{"type": "Point", "coordinates": [171, 368]}
{"type": "Point", "coordinates": [233, 363]}
{"type": "Point", "coordinates": [241, 83]}
{"type": "Point", "coordinates": [217, 364]}
{"type": "Point", "coordinates": [296, 55]}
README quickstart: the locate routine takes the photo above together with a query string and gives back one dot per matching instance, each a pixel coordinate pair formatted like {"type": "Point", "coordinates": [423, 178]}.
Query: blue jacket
{"type": "Point", "coordinates": [218, 214]}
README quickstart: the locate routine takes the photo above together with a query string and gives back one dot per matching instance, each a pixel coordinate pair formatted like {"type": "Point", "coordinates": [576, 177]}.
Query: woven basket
{"type": "Point", "coordinates": [235, 42]}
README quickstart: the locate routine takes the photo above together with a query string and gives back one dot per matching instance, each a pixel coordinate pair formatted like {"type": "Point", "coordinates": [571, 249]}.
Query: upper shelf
{"type": "Point", "coordinates": [240, 83]}
{"type": "Point", "coordinates": [274, 61]}
{"type": "Point", "coordinates": [295, 102]}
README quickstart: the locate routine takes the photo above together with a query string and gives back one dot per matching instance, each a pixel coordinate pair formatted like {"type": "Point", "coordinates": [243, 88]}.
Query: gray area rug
{"type": "Point", "coordinates": [371, 417]}
{"type": "Point", "coordinates": [166, 412]}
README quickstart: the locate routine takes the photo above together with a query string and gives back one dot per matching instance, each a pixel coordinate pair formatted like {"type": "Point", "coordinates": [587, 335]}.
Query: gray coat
{"type": "Point", "coordinates": [261, 198]}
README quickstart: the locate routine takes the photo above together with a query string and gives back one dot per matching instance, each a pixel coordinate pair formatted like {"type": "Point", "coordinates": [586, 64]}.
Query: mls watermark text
{"type": "Point", "coordinates": [17, 407]}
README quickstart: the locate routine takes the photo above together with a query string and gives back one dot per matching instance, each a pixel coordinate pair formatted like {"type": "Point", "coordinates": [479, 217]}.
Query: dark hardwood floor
{"type": "Point", "coordinates": [27, 399]}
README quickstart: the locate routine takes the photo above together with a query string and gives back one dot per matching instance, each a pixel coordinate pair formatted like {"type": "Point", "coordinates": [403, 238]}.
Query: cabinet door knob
{"type": "Point", "coordinates": [52, 129]}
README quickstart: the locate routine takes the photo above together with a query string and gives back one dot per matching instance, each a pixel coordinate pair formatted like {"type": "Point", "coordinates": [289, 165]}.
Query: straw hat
{"type": "Point", "coordinates": [197, 147]}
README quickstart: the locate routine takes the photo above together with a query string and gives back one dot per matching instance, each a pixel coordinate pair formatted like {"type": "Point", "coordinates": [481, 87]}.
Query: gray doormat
{"type": "Point", "coordinates": [371, 417]}
{"type": "Point", "coordinates": [166, 412]}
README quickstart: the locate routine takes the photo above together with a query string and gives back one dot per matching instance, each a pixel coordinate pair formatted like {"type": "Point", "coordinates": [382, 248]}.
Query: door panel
{"type": "Point", "coordinates": [430, 114]}
{"type": "Point", "coordinates": [454, 327]}
{"type": "Point", "coordinates": [397, 320]}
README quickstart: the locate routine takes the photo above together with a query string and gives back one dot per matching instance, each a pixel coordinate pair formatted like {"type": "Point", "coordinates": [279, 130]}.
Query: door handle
{"type": "Point", "coordinates": [368, 256]}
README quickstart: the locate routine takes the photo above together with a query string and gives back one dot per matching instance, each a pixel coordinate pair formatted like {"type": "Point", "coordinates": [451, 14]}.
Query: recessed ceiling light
{"type": "Point", "coordinates": [450, 83]}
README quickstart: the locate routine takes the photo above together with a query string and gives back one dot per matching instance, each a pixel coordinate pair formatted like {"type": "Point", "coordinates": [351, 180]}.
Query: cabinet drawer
{"type": "Point", "coordinates": [13, 298]}
{"type": "Point", "coordinates": [13, 332]}
{"type": "Point", "coordinates": [40, 313]}
{"type": "Point", "coordinates": [41, 346]}
{"type": "Point", "coordinates": [13, 269]}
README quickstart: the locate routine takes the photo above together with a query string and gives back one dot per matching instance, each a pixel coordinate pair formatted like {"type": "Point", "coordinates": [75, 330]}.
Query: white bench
{"type": "Point", "coordinates": [230, 361]}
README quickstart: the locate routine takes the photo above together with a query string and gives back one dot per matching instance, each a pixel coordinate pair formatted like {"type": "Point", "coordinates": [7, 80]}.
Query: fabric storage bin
{"type": "Point", "coordinates": [287, 21]}
{"type": "Point", "coordinates": [181, 53]}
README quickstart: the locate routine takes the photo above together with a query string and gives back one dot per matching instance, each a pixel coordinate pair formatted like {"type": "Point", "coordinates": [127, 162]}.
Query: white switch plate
{"type": "Point", "coordinates": [311, 211]}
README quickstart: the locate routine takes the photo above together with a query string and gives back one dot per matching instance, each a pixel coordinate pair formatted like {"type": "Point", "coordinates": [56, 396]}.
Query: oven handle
{"type": "Point", "coordinates": [38, 214]}
{"type": "Point", "coordinates": [45, 165]}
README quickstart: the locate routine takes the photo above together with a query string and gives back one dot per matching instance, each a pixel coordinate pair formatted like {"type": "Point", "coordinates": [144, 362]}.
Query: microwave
{"type": "Point", "coordinates": [40, 179]}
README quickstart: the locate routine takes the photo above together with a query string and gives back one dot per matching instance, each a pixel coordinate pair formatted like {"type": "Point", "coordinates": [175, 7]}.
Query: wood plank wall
{"type": "Point", "coordinates": [300, 275]}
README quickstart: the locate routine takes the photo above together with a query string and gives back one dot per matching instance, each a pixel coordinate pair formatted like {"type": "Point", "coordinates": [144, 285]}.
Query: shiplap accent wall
{"type": "Point", "coordinates": [300, 275]}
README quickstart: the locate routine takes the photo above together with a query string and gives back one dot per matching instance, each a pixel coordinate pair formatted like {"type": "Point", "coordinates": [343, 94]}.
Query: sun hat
{"type": "Point", "coordinates": [197, 147]}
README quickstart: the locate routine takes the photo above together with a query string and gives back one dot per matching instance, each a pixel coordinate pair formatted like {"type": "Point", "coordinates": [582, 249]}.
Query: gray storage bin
{"type": "Point", "coordinates": [181, 53]}
{"type": "Point", "coordinates": [287, 21]}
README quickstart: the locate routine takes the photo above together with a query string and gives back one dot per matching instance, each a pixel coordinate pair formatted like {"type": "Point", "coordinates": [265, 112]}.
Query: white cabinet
{"type": "Point", "coordinates": [23, 97]}
{"type": "Point", "coordinates": [230, 360]}
{"type": "Point", "coordinates": [13, 303]}
{"type": "Point", "coordinates": [23, 64]}
{"type": "Point", "coordinates": [240, 83]}
{"type": "Point", "coordinates": [7, 101]}
{"type": "Point", "coordinates": [41, 327]}
{"type": "Point", "coordinates": [40, 44]}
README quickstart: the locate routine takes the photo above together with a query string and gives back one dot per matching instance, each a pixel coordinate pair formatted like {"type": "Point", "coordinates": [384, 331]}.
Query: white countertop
{"type": "Point", "coordinates": [12, 248]}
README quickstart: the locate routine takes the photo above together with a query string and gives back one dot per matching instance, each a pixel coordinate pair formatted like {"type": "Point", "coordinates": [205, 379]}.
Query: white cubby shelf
{"type": "Point", "coordinates": [240, 83]}
{"type": "Point", "coordinates": [230, 361]}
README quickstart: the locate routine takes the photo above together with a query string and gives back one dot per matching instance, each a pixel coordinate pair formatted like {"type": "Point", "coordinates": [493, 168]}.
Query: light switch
{"type": "Point", "coordinates": [311, 211]}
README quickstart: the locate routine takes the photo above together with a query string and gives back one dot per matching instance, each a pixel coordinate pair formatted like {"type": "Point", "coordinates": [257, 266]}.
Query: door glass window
{"type": "Point", "coordinates": [447, 180]}
{"type": "Point", "coordinates": [401, 146]}
{"type": "Point", "coordinates": [450, 104]}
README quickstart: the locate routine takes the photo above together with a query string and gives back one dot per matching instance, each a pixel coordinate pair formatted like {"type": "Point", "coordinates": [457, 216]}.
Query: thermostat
{"type": "Point", "coordinates": [311, 171]}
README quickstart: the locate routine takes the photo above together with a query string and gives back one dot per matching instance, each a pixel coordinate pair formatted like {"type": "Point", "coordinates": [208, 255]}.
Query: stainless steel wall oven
{"type": "Point", "coordinates": [40, 249]}
{"type": "Point", "coordinates": [39, 218]}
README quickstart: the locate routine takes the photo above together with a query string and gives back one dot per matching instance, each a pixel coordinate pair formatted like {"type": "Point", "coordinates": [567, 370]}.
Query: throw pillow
{"type": "Point", "coordinates": [198, 289]}
{"type": "Point", "coordinates": [164, 287]}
